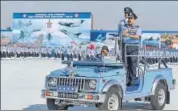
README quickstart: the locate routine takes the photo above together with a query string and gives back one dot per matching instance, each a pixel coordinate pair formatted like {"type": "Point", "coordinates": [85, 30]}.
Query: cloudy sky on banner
{"type": "Point", "coordinates": [153, 15]}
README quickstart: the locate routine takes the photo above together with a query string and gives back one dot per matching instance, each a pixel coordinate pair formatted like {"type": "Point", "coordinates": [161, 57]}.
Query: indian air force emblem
{"type": "Point", "coordinates": [49, 24]}
{"type": "Point", "coordinates": [76, 15]}
{"type": "Point", "coordinates": [24, 15]}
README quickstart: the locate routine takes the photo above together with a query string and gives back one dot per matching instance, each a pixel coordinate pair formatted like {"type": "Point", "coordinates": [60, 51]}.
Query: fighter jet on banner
{"type": "Point", "coordinates": [25, 31]}
{"type": "Point", "coordinates": [70, 24]}
{"type": "Point", "coordinates": [75, 37]}
{"type": "Point", "coordinates": [70, 34]}
{"type": "Point", "coordinates": [22, 24]}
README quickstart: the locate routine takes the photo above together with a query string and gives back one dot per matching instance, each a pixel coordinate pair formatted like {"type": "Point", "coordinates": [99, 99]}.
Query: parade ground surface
{"type": "Point", "coordinates": [22, 81]}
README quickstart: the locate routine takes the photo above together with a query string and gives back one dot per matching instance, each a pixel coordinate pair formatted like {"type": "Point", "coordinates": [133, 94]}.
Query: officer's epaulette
{"type": "Point", "coordinates": [121, 20]}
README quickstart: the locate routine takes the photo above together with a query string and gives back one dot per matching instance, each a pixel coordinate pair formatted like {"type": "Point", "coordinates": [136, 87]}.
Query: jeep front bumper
{"type": "Point", "coordinates": [81, 97]}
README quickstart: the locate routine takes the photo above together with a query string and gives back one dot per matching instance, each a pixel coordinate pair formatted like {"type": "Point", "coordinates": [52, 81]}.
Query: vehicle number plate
{"type": "Point", "coordinates": [68, 95]}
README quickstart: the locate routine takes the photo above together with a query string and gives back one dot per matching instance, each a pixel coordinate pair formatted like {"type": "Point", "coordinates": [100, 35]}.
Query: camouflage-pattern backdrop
{"type": "Point", "coordinates": [169, 40]}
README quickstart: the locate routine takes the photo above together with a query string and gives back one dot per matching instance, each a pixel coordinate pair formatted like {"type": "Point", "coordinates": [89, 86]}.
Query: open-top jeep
{"type": "Point", "coordinates": [102, 83]}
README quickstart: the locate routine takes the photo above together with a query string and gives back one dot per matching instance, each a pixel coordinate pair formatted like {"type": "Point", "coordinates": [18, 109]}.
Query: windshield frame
{"type": "Point", "coordinates": [93, 63]}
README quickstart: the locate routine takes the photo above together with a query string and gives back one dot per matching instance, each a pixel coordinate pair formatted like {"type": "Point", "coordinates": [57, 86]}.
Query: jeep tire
{"type": "Point", "coordinates": [158, 100]}
{"type": "Point", "coordinates": [51, 105]}
{"type": "Point", "coordinates": [112, 100]}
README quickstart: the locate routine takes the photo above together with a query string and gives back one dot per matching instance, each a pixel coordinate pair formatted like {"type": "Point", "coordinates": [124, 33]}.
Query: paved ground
{"type": "Point", "coordinates": [22, 81]}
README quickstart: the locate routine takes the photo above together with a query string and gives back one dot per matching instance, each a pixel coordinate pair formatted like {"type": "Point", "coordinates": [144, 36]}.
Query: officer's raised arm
{"type": "Point", "coordinates": [137, 35]}
{"type": "Point", "coordinates": [124, 21]}
{"type": "Point", "coordinates": [132, 30]}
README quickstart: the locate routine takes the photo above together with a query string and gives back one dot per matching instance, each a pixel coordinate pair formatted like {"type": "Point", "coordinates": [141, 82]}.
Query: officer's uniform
{"type": "Point", "coordinates": [177, 56]}
{"type": "Point", "coordinates": [66, 53]}
{"type": "Point", "coordinates": [131, 50]}
{"type": "Point", "coordinates": [125, 20]}
{"type": "Point", "coordinates": [55, 53]}
{"type": "Point", "coordinates": [63, 50]}
{"type": "Point", "coordinates": [29, 52]}
{"type": "Point", "coordinates": [12, 52]}
{"type": "Point", "coordinates": [40, 52]}
{"type": "Point", "coordinates": [75, 52]}
{"type": "Point", "coordinates": [87, 53]}
{"type": "Point", "coordinates": [37, 52]}
{"type": "Point", "coordinates": [59, 53]}
{"type": "Point", "coordinates": [45, 52]}
{"type": "Point", "coordinates": [34, 51]}
{"type": "Point", "coordinates": [25, 52]}
{"type": "Point", "coordinates": [8, 52]}
{"type": "Point", "coordinates": [49, 52]}
{"type": "Point", "coordinates": [79, 53]}
{"type": "Point", "coordinates": [3, 54]}
{"type": "Point", "coordinates": [71, 53]}
{"type": "Point", "coordinates": [17, 52]}
{"type": "Point", "coordinates": [83, 54]}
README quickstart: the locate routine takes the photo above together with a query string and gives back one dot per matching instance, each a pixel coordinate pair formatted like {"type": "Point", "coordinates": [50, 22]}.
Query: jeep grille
{"type": "Point", "coordinates": [66, 81]}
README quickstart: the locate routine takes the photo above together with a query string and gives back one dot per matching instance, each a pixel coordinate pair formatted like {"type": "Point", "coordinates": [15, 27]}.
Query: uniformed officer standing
{"type": "Point", "coordinates": [8, 52]}
{"type": "Point", "coordinates": [63, 52]}
{"type": "Point", "coordinates": [59, 52]}
{"type": "Point", "coordinates": [75, 52]}
{"type": "Point", "coordinates": [68, 52]}
{"type": "Point", "coordinates": [3, 52]}
{"type": "Point", "coordinates": [79, 52]}
{"type": "Point", "coordinates": [49, 52]}
{"type": "Point", "coordinates": [71, 52]}
{"type": "Point", "coordinates": [40, 52]}
{"type": "Point", "coordinates": [127, 10]}
{"type": "Point", "coordinates": [55, 52]}
{"type": "Point", "coordinates": [131, 35]}
{"type": "Point", "coordinates": [87, 52]}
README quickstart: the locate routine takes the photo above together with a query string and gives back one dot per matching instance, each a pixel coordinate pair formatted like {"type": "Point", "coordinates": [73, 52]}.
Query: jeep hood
{"type": "Point", "coordinates": [91, 72]}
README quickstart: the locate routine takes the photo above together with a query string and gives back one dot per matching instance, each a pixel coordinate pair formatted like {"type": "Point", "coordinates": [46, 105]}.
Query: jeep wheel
{"type": "Point", "coordinates": [112, 100]}
{"type": "Point", "coordinates": [51, 105]}
{"type": "Point", "coordinates": [158, 100]}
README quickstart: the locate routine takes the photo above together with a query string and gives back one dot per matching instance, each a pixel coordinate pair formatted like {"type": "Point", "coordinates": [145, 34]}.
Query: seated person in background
{"type": "Point", "coordinates": [104, 51]}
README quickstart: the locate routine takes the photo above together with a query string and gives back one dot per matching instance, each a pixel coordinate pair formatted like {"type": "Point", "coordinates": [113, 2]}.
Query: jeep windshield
{"type": "Point", "coordinates": [93, 63]}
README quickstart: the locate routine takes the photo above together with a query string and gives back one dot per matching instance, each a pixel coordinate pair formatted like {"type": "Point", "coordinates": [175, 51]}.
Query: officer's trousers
{"type": "Point", "coordinates": [131, 62]}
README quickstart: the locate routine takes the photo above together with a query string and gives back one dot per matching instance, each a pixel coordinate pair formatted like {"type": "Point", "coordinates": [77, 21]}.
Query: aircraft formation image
{"type": "Point", "coordinates": [63, 34]}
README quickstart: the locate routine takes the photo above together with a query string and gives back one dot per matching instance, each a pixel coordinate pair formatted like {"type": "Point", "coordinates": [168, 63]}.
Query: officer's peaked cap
{"type": "Point", "coordinates": [127, 10]}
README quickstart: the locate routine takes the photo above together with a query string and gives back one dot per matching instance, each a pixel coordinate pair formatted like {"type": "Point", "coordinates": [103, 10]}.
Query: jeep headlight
{"type": "Point", "coordinates": [92, 84]}
{"type": "Point", "coordinates": [52, 82]}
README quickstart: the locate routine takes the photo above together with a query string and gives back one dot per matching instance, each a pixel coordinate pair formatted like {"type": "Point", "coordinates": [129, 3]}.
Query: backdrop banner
{"type": "Point", "coordinates": [164, 39]}
{"type": "Point", "coordinates": [51, 29]}
{"type": "Point", "coordinates": [6, 37]}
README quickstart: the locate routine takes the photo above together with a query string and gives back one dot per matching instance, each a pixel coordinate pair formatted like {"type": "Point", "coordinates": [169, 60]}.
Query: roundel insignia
{"type": "Point", "coordinates": [76, 15]}
{"type": "Point", "coordinates": [24, 15]}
